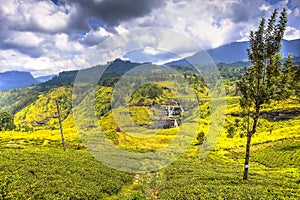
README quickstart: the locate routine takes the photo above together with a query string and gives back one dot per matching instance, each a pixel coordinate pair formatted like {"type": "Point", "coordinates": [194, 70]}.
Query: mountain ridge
{"type": "Point", "coordinates": [237, 51]}
{"type": "Point", "coordinates": [16, 79]}
{"type": "Point", "coordinates": [228, 53]}
{"type": "Point", "coordinates": [42, 79]}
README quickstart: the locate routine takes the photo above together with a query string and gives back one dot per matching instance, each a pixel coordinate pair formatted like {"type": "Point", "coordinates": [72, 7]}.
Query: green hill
{"type": "Point", "coordinates": [43, 112]}
{"type": "Point", "coordinates": [33, 164]}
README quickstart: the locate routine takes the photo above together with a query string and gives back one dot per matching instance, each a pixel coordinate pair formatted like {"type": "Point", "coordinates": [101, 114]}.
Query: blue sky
{"type": "Point", "coordinates": [46, 37]}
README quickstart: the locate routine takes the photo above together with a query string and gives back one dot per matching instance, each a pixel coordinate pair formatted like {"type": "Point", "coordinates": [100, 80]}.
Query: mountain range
{"type": "Point", "coordinates": [229, 53]}
{"type": "Point", "coordinates": [42, 79]}
{"type": "Point", "coordinates": [237, 51]}
{"type": "Point", "coordinates": [16, 79]}
{"type": "Point", "coordinates": [19, 79]}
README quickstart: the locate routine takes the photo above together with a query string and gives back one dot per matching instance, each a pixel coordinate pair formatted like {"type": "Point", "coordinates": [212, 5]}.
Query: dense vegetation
{"type": "Point", "coordinates": [48, 173]}
{"type": "Point", "coordinates": [6, 121]}
{"type": "Point", "coordinates": [34, 166]}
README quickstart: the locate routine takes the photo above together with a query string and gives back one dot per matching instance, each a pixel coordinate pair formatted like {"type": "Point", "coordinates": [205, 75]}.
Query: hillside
{"type": "Point", "coordinates": [13, 100]}
{"type": "Point", "coordinates": [143, 123]}
{"type": "Point", "coordinates": [274, 167]}
{"type": "Point", "coordinates": [42, 114]}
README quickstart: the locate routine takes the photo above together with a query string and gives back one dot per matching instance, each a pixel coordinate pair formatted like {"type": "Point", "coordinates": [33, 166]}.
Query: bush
{"type": "Point", "coordinates": [6, 121]}
{"type": "Point", "coordinates": [200, 138]}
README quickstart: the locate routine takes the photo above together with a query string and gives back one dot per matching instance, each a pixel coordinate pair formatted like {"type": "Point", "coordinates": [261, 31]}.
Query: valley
{"type": "Point", "coordinates": [34, 165]}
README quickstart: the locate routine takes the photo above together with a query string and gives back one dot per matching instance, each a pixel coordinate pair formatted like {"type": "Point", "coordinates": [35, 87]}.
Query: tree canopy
{"type": "Point", "coordinates": [6, 121]}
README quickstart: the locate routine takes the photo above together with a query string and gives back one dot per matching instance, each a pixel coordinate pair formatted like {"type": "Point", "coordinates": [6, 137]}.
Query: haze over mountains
{"type": "Point", "coordinates": [42, 79]}
{"type": "Point", "coordinates": [237, 51]}
{"type": "Point", "coordinates": [18, 79]}
{"type": "Point", "coordinates": [228, 53]}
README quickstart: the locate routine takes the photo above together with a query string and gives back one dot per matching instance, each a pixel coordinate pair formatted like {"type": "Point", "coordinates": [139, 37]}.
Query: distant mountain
{"type": "Point", "coordinates": [237, 51]}
{"type": "Point", "coordinates": [16, 79]}
{"type": "Point", "coordinates": [14, 100]}
{"type": "Point", "coordinates": [42, 79]}
{"type": "Point", "coordinates": [291, 46]}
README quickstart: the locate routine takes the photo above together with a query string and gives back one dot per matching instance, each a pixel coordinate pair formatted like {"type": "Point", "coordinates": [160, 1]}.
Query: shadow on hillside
{"type": "Point", "coordinates": [280, 115]}
{"type": "Point", "coordinates": [275, 115]}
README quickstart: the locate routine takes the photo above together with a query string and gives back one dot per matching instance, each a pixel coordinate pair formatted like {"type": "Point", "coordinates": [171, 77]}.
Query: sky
{"type": "Point", "coordinates": [49, 36]}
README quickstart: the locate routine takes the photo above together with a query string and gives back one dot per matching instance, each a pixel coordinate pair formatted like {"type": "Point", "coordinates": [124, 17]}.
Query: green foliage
{"type": "Point", "coordinates": [233, 71]}
{"type": "Point", "coordinates": [212, 179]}
{"type": "Point", "coordinates": [37, 158]}
{"type": "Point", "coordinates": [200, 138]}
{"type": "Point", "coordinates": [15, 100]}
{"type": "Point", "coordinates": [103, 100]}
{"type": "Point", "coordinates": [43, 112]}
{"type": "Point", "coordinates": [281, 154]}
{"type": "Point", "coordinates": [237, 126]}
{"type": "Point", "coordinates": [43, 171]}
{"type": "Point", "coordinates": [6, 188]}
{"type": "Point", "coordinates": [151, 91]}
{"type": "Point", "coordinates": [6, 121]}
{"type": "Point", "coordinates": [53, 174]}
{"type": "Point", "coordinates": [263, 80]}
{"type": "Point", "coordinates": [113, 136]}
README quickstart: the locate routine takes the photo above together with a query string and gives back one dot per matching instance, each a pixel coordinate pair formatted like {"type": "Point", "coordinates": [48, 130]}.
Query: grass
{"type": "Point", "coordinates": [283, 154]}
{"type": "Point", "coordinates": [194, 179]}
{"type": "Point", "coordinates": [49, 173]}
{"type": "Point", "coordinates": [34, 166]}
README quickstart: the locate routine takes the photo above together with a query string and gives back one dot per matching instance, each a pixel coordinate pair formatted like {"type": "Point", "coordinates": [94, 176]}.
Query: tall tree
{"type": "Point", "coordinates": [261, 83]}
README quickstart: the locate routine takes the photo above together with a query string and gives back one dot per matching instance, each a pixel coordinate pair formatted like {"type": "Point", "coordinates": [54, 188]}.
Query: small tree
{"type": "Point", "coordinates": [263, 80]}
{"type": "Point", "coordinates": [6, 121]}
{"type": "Point", "coordinates": [60, 125]}
{"type": "Point", "coordinates": [200, 138]}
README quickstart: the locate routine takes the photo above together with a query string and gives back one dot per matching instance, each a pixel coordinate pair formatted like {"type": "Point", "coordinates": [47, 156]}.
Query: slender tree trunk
{"type": "Point", "coordinates": [246, 166]}
{"type": "Point", "coordinates": [60, 126]}
{"type": "Point", "coordinates": [249, 135]}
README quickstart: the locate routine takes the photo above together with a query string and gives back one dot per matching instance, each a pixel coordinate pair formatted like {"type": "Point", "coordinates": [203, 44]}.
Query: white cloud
{"type": "Point", "coordinates": [13, 60]}
{"type": "Point", "coordinates": [151, 51]}
{"type": "Point", "coordinates": [291, 33]}
{"type": "Point", "coordinates": [48, 17]}
{"type": "Point", "coordinates": [44, 38]}
{"type": "Point", "coordinates": [62, 43]}
{"type": "Point", "coordinates": [264, 7]}
{"type": "Point", "coordinates": [34, 16]}
{"type": "Point", "coordinates": [295, 3]}
{"type": "Point", "coordinates": [120, 29]}
{"type": "Point", "coordinates": [45, 65]}
{"type": "Point", "coordinates": [24, 39]}
{"type": "Point", "coordinates": [94, 37]}
{"type": "Point", "coordinates": [197, 20]}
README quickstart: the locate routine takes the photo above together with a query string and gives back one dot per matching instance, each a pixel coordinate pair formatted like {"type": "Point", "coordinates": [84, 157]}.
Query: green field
{"type": "Point", "coordinates": [34, 166]}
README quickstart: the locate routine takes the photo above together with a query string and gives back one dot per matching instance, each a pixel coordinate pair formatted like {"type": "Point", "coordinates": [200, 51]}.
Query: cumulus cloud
{"type": "Point", "coordinates": [292, 33]}
{"type": "Point", "coordinates": [94, 37]}
{"type": "Point", "coordinates": [197, 19]}
{"type": "Point", "coordinates": [42, 16]}
{"type": "Point", "coordinates": [50, 36]}
{"type": "Point", "coordinates": [144, 45]}
{"type": "Point", "coordinates": [44, 65]}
